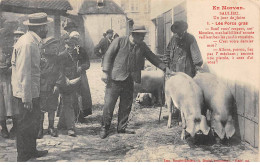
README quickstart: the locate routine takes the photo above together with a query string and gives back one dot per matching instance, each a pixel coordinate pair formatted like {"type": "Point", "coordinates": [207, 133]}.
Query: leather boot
{"type": "Point", "coordinates": [4, 131]}
{"type": "Point", "coordinates": [103, 132]}
{"type": "Point", "coordinates": [14, 128]}
{"type": "Point", "coordinates": [51, 130]}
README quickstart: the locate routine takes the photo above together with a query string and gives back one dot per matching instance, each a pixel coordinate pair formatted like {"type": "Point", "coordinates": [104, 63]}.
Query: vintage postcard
{"type": "Point", "coordinates": [129, 80]}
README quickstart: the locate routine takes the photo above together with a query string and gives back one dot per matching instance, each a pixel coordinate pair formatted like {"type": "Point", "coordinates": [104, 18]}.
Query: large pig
{"type": "Point", "coordinates": [151, 82]}
{"type": "Point", "coordinates": [219, 100]}
{"type": "Point", "coordinates": [182, 92]}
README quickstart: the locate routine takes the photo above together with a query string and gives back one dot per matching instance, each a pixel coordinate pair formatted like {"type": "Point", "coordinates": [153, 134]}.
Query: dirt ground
{"type": "Point", "coordinates": [153, 141]}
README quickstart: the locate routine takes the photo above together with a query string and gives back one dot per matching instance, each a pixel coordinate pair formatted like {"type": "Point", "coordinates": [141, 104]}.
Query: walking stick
{"type": "Point", "coordinates": [160, 114]}
{"type": "Point", "coordinates": [162, 99]}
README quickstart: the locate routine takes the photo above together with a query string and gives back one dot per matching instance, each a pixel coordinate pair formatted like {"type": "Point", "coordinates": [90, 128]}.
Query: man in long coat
{"type": "Point", "coordinates": [183, 53]}
{"type": "Point", "coordinates": [122, 65]}
{"type": "Point", "coordinates": [26, 85]}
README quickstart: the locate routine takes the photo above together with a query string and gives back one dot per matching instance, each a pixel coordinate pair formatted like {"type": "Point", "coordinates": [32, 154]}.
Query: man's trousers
{"type": "Point", "coordinates": [28, 127]}
{"type": "Point", "coordinates": [114, 90]}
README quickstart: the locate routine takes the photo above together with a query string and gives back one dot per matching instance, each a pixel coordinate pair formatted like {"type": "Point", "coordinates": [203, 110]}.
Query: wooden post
{"type": "Point", "coordinates": [57, 25]}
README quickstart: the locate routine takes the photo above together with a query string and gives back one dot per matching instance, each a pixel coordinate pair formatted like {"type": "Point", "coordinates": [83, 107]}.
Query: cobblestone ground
{"type": "Point", "coordinates": [153, 141]}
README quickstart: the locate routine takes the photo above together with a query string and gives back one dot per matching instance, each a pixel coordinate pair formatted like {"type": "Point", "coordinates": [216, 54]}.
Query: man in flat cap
{"type": "Point", "coordinates": [122, 66]}
{"type": "Point", "coordinates": [49, 76]}
{"type": "Point", "coordinates": [101, 48]}
{"type": "Point", "coordinates": [26, 85]}
{"type": "Point", "coordinates": [183, 53]}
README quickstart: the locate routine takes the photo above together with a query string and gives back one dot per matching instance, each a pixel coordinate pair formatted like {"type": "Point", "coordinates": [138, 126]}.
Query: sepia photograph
{"type": "Point", "coordinates": [129, 80]}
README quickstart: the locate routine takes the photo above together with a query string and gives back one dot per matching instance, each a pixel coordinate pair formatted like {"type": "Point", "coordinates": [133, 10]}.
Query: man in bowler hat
{"type": "Point", "coordinates": [26, 85]}
{"type": "Point", "coordinates": [122, 66]}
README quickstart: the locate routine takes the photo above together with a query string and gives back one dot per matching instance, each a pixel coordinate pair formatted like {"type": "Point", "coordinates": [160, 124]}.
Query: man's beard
{"type": "Point", "coordinates": [43, 34]}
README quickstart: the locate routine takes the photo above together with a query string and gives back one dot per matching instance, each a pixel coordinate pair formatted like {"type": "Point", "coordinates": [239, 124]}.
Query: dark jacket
{"type": "Point", "coordinates": [103, 46]}
{"type": "Point", "coordinates": [69, 64]}
{"type": "Point", "coordinates": [183, 55]}
{"type": "Point", "coordinates": [123, 58]}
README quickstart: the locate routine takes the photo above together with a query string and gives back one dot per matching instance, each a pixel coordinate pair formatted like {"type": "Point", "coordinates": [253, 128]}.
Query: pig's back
{"type": "Point", "coordinates": [216, 93]}
{"type": "Point", "coordinates": [150, 81]}
{"type": "Point", "coordinates": [182, 88]}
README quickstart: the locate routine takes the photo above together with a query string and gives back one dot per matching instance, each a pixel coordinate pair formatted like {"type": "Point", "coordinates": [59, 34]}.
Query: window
{"type": "Point", "coordinates": [146, 4]}
{"type": "Point", "coordinates": [134, 5]}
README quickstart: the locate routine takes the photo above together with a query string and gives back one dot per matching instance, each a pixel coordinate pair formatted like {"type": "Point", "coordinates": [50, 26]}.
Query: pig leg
{"type": "Point", "coordinates": [183, 125]}
{"type": "Point", "coordinates": [169, 106]}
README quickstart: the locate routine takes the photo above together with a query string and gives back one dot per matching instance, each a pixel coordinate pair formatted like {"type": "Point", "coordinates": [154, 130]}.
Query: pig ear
{"type": "Point", "coordinates": [203, 125]}
{"type": "Point", "coordinates": [230, 129]}
{"type": "Point", "coordinates": [218, 128]}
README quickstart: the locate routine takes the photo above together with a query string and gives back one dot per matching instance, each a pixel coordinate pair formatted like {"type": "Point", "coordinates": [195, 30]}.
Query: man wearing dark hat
{"type": "Point", "coordinates": [101, 48]}
{"type": "Point", "coordinates": [70, 27]}
{"type": "Point", "coordinates": [122, 66]}
{"type": "Point", "coordinates": [17, 34]}
{"type": "Point", "coordinates": [183, 54]}
{"type": "Point", "coordinates": [26, 85]}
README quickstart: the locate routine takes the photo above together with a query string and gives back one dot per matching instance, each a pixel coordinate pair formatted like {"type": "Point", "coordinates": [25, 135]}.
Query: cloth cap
{"type": "Point", "coordinates": [70, 25]}
{"type": "Point", "coordinates": [183, 26]}
{"type": "Point", "coordinates": [109, 31]}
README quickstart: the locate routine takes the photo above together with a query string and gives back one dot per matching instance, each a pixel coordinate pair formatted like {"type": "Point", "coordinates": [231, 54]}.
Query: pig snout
{"type": "Point", "coordinates": [198, 126]}
{"type": "Point", "coordinates": [145, 99]}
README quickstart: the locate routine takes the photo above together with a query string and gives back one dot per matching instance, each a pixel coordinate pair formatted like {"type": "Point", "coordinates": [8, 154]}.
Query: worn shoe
{"type": "Point", "coordinates": [52, 132]}
{"type": "Point", "coordinates": [13, 131]}
{"type": "Point", "coordinates": [81, 119]}
{"type": "Point", "coordinates": [72, 133]}
{"type": "Point", "coordinates": [38, 154]}
{"type": "Point", "coordinates": [40, 134]}
{"type": "Point", "coordinates": [103, 133]}
{"type": "Point", "coordinates": [125, 131]}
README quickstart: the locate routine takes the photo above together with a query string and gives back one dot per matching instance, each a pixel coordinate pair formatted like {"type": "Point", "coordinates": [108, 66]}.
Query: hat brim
{"type": "Point", "coordinates": [3, 66]}
{"type": "Point", "coordinates": [139, 31]}
{"type": "Point", "coordinates": [18, 33]}
{"type": "Point", "coordinates": [49, 20]}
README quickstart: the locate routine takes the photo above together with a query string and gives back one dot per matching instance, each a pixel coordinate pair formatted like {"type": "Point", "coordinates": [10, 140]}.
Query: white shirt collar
{"type": "Point", "coordinates": [131, 39]}
{"type": "Point", "coordinates": [38, 38]}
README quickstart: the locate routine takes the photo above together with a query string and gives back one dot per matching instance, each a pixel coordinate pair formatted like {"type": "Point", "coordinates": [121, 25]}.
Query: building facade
{"type": "Point", "coordinates": [139, 11]}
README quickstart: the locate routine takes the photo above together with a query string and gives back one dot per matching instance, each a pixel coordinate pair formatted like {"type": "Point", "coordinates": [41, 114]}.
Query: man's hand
{"type": "Point", "coordinates": [55, 90]}
{"type": "Point", "coordinates": [199, 69]}
{"type": "Point", "coordinates": [105, 77]}
{"type": "Point", "coordinates": [167, 71]}
{"type": "Point", "coordinates": [79, 69]}
{"type": "Point", "coordinates": [28, 106]}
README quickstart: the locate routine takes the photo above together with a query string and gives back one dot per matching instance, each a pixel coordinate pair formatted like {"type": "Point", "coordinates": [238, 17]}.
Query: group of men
{"type": "Point", "coordinates": [35, 80]}
{"type": "Point", "coordinates": [45, 74]}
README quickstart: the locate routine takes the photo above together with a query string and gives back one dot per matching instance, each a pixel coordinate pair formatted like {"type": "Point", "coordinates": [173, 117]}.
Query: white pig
{"type": "Point", "coordinates": [182, 92]}
{"type": "Point", "coordinates": [219, 101]}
